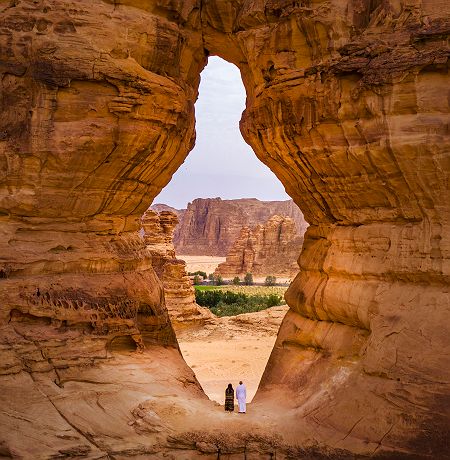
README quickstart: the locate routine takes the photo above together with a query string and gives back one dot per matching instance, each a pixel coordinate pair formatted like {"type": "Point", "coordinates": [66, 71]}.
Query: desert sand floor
{"type": "Point", "coordinates": [220, 362]}
{"type": "Point", "coordinates": [232, 349]}
{"type": "Point", "coordinates": [209, 263]}
{"type": "Point", "coordinates": [203, 263]}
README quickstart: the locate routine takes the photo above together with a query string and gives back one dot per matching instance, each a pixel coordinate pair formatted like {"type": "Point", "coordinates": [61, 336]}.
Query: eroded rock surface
{"type": "Point", "coordinates": [271, 249]}
{"type": "Point", "coordinates": [96, 99]}
{"type": "Point", "coordinates": [179, 292]}
{"type": "Point", "coordinates": [346, 103]}
{"type": "Point", "coordinates": [83, 121]}
{"type": "Point", "coordinates": [210, 226]}
{"type": "Point", "coordinates": [345, 109]}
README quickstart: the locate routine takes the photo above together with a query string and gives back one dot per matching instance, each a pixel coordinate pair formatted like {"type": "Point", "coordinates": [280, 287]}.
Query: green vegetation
{"type": "Point", "coordinates": [216, 279]}
{"type": "Point", "coordinates": [199, 273]}
{"type": "Point", "coordinates": [248, 279]}
{"type": "Point", "coordinates": [236, 281]}
{"type": "Point", "coordinates": [229, 303]}
{"type": "Point", "coordinates": [249, 290]}
{"type": "Point", "coordinates": [205, 288]}
{"type": "Point", "coordinates": [197, 280]}
{"type": "Point", "coordinates": [270, 281]}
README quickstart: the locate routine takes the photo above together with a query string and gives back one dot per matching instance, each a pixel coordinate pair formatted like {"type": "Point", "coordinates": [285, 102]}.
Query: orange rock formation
{"type": "Point", "coordinates": [178, 289]}
{"type": "Point", "coordinates": [269, 249]}
{"type": "Point", "coordinates": [210, 226]}
{"type": "Point", "coordinates": [345, 103]}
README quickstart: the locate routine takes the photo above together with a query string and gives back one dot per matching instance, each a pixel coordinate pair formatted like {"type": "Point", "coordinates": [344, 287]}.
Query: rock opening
{"type": "Point", "coordinates": [344, 104]}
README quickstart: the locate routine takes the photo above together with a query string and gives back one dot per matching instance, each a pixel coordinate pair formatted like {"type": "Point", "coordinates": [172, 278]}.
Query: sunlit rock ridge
{"type": "Point", "coordinates": [347, 103]}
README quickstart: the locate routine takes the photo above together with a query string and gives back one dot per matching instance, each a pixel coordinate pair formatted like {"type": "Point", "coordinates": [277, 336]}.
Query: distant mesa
{"type": "Point", "coordinates": [210, 226]}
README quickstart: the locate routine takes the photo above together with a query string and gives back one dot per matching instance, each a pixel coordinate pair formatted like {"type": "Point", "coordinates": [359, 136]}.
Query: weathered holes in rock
{"type": "Point", "coordinates": [440, 67]}
{"type": "Point", "coordinates": [17, 316]}
{"type": "Point", "coordinates": [269, 73]}
{"type": "Point", "coordinates": [61, 248]}
{"type": "Point", "coordinates": [42, 25]}
{"type": "Point", "coordinates": [122, 344]}
{"type": "Point", "coordinates": [118, 53]}
{"type": "Point", "coordinates": [64, 27]}
{"type": "Point", "coordinates": [57, 249]}
{"type": "Point", "coordinates": [146, 310]}
{"type": "Point", "coordinates": [314, 348]}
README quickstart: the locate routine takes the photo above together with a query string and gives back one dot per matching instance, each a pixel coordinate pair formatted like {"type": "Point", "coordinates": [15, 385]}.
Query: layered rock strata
{"type": "Point", "coordinates": [83, 122]}
{"type": "Point", "coordinates": [210, 226]}
{"type": "Point", "coordinates": [268, 249]}
{"type": "Point", "coordinates": [96, 99]}
{"type": "Point", "coordinates": [345, 103]}
{"type": "Point", "coordinates": [179, 292]}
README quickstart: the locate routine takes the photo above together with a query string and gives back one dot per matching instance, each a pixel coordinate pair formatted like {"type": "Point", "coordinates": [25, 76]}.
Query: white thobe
{"type": "Point", "coordinates": [241, 395]}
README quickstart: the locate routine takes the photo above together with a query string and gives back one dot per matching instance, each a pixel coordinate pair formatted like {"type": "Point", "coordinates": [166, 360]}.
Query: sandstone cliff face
{"type": "Point", "coordinates": [83, 121]}
{"type": "Point", "coordinates": [346, 103]}
{"type": "Point", "coordinates": [93, 95]}
{"type": "Point", "coordinates": [268, 249]}
{"type": "Point", "coordinates": [210, 226]}
{"type": "Point", "coordinates": [179, 292]}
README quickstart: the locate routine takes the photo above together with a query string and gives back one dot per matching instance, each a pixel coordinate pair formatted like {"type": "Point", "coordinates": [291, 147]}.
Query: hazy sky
{"type": "Point", "coordinates": [221, 163]}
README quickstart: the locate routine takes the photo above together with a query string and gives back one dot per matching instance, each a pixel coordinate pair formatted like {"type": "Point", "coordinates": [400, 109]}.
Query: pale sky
{"type": "Point", "coordinates": [221, 163]}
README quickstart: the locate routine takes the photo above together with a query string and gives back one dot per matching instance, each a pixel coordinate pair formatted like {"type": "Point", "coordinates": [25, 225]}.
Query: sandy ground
{"type": "Point", "coordinates": [232, 349]}
{"type": "Point", "coordinates": [204, 263]}
{"type": "Point", "coordinates": [209, 263]}
{"type": "Point", "coordinates": [219, 362]}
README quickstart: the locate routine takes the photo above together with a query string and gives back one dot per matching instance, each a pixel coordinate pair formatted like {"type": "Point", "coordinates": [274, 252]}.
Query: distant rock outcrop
{"type": "Point", "coordinates": [178, 290]}
{"type": "Point", "coordinates": [210, 226]}
{"type": "Point", "coordinates": [159, 207]}
{"type": "Point", "coordinates": [271, 248]}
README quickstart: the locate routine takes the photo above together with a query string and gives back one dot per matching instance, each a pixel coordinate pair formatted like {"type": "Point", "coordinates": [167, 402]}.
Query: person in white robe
{"type": "Point", "coordinates": [241, 396]}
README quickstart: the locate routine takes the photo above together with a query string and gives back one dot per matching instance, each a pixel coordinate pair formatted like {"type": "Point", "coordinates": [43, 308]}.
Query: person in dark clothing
{"type": "Point", "coordinates": [229, 398]}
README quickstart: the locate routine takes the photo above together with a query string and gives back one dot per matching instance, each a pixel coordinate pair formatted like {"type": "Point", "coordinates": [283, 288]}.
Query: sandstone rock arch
{"type": "Point", "coordinates": [345, 103]}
